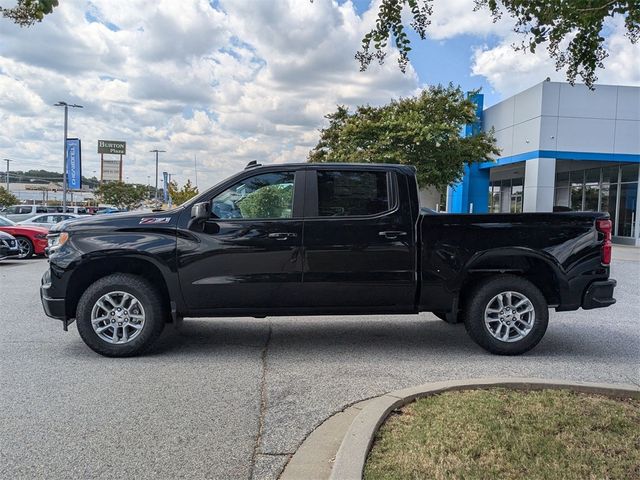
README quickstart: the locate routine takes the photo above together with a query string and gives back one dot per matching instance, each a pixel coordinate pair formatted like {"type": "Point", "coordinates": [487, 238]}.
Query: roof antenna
{"type": "Point", "coordinates": [252, 164]}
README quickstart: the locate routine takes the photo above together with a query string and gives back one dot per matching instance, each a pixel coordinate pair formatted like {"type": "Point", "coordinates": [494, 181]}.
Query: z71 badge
{"type": "Point", "coordinates": [148, 220]}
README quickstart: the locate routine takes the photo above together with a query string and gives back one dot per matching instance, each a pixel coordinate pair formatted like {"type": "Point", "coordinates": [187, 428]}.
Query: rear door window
{"type": "Point", "coordinates": [346, 193]}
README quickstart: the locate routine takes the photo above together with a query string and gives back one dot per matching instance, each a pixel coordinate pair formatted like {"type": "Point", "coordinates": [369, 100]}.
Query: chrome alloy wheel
{"type": "Point", "coordinates": [509, 316]}
{"type": "Point", "coordinates": [117, 317]}
{"type": "Point", "coordinates": [24, 247]}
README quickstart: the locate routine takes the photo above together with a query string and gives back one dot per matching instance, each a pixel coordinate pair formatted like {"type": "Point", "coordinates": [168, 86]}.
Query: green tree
{"type": "Point", "coordinates": [422, 131]}
{"type": "Point", "coordinates": [27, 12]}
{"type": "Point", "coordinates": [572, 30]}
{"type": "Point", "coordinates": [7, 198]}
{"type": "Point", "coordinates": [121, 195]}
{"type": "Point", "coordinates": [179, 196]}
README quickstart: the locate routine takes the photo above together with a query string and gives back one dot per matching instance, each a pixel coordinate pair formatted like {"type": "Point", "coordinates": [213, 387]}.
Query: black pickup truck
{"type": "Point", "coordinates": [323, 239]}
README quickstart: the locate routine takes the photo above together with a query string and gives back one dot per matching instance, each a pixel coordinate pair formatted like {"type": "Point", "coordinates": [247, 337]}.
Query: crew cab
{"type": "Point", "coordinates": [323, 239]}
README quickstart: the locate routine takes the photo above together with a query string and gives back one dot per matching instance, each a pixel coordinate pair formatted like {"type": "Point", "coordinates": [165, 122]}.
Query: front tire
{"type": "Point", "coordinates": [120, 315]}
{"type": "Point", "coordinates": [26, 248]}
{"type": "Point", "coordinates": [507, 315]}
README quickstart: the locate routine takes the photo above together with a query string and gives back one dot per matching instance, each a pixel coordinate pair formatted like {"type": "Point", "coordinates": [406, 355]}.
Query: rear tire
{"type": "Point", "coordinates": [120, 315]}
{"type": "Point", "coordinates": [507, 315]}
{"type": "Point", "coordinates": [26, 248]}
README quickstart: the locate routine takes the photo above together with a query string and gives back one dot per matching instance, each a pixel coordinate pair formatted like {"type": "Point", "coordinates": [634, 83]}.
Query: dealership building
{"type": "Point", "coordinates": [562, 147]}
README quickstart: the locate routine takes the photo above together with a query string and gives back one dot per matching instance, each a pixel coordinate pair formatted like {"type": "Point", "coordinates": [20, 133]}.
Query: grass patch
{"type": "Point", "coordinates": [509, 434]}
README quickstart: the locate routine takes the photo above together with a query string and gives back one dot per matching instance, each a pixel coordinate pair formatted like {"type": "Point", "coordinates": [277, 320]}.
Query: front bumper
{"type": "Point", "coordinates": [53, 307]}
{"type": "Point", "coordinates": [599, 294]}
{"type": "Point", "coordinates": [9, 248]}
{"type": "Point", "coordinates": [39, 246]}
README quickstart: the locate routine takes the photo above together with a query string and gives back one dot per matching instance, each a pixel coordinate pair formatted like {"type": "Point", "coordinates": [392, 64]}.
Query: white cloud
{"type": "Point", "coordinates": [250, 80]}
{"type": "Point", "coordinates": [459, 17]}
{"type": "Point", "coordinates": [510, 71]}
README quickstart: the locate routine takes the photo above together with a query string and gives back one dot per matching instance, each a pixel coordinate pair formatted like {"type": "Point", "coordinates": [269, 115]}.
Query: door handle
{"type": "Point", "coordinates": [391, 234]}
{"type": "Point", "coordinates": [282, 235]}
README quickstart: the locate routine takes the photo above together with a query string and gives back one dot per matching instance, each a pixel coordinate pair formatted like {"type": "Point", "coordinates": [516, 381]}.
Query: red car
{"type": "Point", "coordinates": [31, 240]}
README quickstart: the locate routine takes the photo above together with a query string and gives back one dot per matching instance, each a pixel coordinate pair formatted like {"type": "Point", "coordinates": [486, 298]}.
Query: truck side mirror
{"type": "Point", "coordinates": [199, 213]}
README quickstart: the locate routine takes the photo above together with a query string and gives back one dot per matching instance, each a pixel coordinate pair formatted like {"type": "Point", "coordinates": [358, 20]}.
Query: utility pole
{"type": "Point", "coordinates": [7, 160]}
{"type": "Point", "coordinates": [169, 192]}
{"type": "Point", "coordinates": [156, 151]}
{"type": "Point", "coordinates": [64, 163]}
{"type": "Point", "coordinates": [195, 166]}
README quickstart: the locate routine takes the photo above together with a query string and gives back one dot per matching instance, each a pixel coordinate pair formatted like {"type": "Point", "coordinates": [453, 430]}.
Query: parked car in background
{"type": "Point", "coordinates": [31, 240]}
{"type": "Point", "coordinates": [70, 209]}
{"type": "Point", "coordinates": [18, 213]}
{"type": "Point", "coordinates": [48, 220]}
{"type": "Point", "coordinates": [8, 246]}
{"type": "Point", "coordinates": [107, 210]}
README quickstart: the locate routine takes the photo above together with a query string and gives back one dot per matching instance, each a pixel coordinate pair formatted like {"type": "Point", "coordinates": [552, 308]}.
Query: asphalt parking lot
{"type": "Point", "coordinates": [233, 398]}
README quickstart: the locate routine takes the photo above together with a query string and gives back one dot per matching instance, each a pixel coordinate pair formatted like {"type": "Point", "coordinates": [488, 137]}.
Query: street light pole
{"type": "Point", "coordinates": [169, 194]}
{"type": "Point", "coordinates": [7, 160]}
{"type": "Point", "coordinates": [156, 151]}
{"type": "Point", "coordinates": [64, 162]}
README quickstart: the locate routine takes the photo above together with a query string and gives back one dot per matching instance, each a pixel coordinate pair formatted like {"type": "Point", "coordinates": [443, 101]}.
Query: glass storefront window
{"type": "Point", "coordinates": [506, 196]}
{"type": "Point", "coordinates": [612, 189]}
{"type": "Point", "coordinates": [608, 195]}
{"type": "Point", "coordinates": [627, 211]}
{"type": "Point", "coordinates": [591, 189]}
{"type": "Point", "coordinates": [629, 173]}
{"type": "Point", "coordinates": [577, 189]}
{"type": "Point", "coordinates": [610, 174]}
{"type": "Point", "coordinates": [562, 179]}
{"type": "Point", "coordinates": [494, 197]}
{"type": "Point", "coordinates": [516, 195]}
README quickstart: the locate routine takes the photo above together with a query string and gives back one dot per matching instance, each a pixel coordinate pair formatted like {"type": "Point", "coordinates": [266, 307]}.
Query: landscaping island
{"type": "Point", "coordinates": [503, 433]}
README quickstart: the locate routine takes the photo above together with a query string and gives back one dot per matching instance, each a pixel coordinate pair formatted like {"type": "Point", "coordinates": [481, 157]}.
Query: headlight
{"type": "Point", "coordinates": [57, 239]}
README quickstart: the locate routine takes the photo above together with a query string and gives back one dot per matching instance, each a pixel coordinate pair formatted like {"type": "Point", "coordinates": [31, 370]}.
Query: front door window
{"type": "Point", "coordinates": [265, 196]}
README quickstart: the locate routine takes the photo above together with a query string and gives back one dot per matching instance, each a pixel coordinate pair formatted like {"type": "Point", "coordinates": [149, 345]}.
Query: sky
{"type": "Point", "coordinates": [217, 84]}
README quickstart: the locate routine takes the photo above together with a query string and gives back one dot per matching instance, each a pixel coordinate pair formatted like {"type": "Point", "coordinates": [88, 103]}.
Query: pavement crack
{"type": "Point", "coordinates": [263, 402]}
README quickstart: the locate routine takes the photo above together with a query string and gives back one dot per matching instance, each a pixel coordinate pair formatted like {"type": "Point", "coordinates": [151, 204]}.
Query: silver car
{"type": "Point", "coordinates": [48, 220]}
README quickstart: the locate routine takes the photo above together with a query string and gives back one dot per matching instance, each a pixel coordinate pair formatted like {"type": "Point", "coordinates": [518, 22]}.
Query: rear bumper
{"type": "Point", "coordinates": [599, 294]}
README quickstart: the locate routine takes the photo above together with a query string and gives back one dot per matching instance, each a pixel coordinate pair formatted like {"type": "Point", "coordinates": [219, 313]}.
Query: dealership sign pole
{"type": "Point", "coordinates": [64, 161]}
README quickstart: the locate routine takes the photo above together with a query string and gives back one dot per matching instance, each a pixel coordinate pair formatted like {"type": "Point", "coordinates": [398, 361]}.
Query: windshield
{"type": "Point", "coordinates": [5, 222]}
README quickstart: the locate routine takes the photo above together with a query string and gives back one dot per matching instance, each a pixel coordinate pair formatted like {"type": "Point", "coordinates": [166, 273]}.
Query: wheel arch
{"type": "Point", "coordinates": [540, 270]}
{"type": "Point", "coordinates": [89, 271]}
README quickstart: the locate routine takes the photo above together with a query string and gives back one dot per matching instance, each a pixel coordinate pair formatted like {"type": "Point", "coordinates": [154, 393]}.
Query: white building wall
{"type": "Point", "coordinates": [516, 122]}
{"type": "Point", "coordinates": [576, 119]}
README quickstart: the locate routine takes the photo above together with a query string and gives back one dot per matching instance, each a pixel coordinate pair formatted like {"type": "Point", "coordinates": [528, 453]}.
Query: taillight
{"type": "Point", "coordinates": [604, 226]}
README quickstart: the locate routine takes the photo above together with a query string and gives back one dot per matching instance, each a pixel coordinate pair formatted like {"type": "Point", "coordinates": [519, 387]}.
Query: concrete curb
{"type": "Point", "coordinates": [354, 449]}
